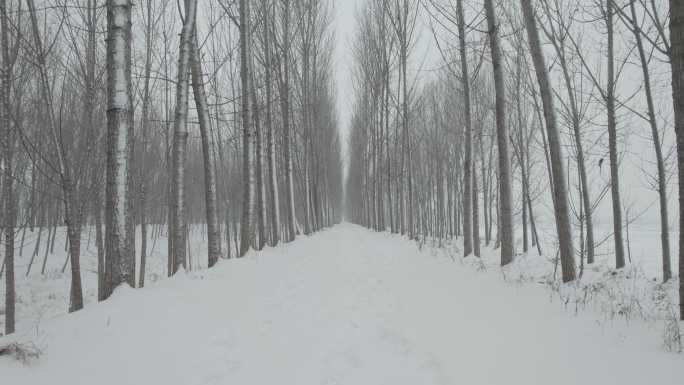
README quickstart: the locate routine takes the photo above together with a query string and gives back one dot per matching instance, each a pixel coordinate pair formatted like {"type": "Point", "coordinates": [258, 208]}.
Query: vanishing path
{"type": "Point", "coordinates": [346, 306]}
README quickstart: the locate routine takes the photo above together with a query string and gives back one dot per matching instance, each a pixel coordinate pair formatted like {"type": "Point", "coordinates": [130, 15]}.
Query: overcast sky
{"type": "Point", "coordinates": [344, 12]}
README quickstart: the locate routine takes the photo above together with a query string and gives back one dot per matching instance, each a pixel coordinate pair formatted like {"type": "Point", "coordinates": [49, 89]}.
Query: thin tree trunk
{"type": "Point", "coordinates": [476, 215]}
{"type": "Point", "coordinates": [521, 147]}
{"type": "Point", "coordinates": [8, 184]}
{"type": "Point", "coordinates": [145, 135]}
{"type": "Point", "coordinates": [71, 214]}
{"type": "Point", "coordinates": [535, 239]}
{"type": "Point", "coordinates": [291, 225]}
{"type": "Point", "coordinates": [505, 204]}
{"type": "Point", "coordinates": [51, 233]}
{"type": "Point", "coordinates": [485, 189]}
{"type": "Point", "coordinates": [584, 183]}
{"type": "Point", "coordinates": [612, 142]}
{"type": "Point", "coordinates": [274, 202]}
{"type": "Point", "coordinates": [306, 106]}
{"type": "Point", "coordinates": [261, 219]}
{"type": "Point", "coordinates": [468, 201]}
{"type": "Point", "coordinates": [662, 177]}
{"type": "Point", "coordinates": [99, 241]}
{"type": "Point", "coordinates": [211, 206]}
{"type": "Point", "coordinates": [246, 222]}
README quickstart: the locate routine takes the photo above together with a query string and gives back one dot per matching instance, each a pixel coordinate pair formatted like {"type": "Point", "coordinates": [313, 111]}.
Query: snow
{"type": "Point", "coordinates": [344, 306]}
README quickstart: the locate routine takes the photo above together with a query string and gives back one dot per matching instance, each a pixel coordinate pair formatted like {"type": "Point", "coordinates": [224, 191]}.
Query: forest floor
{"type": "Point", "coordinates": [346, 306]}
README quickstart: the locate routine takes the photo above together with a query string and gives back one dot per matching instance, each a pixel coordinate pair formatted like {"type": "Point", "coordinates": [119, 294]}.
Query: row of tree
{"type": "Point", "coordinates": [524, 93]}
{"type": "Point", "coordinates": [139, 119]}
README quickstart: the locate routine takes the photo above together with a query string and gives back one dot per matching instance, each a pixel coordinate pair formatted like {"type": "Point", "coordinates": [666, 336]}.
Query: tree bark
{"type": "Point", "coordinates": [119, 107]}
{"type": "Point", "coordinates": [180, 138]}
{"type": "Point", "coordinates": [505, 203]}
{"type": "Point", "coordinates": [612, 142]}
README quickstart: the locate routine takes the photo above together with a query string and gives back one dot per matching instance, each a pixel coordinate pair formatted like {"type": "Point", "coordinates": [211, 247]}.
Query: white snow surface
{"type": "Point", "coordinates": [344, 306]}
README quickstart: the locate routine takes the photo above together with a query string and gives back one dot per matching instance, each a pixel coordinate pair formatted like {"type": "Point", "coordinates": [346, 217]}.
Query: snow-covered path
{"type": "Point", "coordinates": [346, 306]}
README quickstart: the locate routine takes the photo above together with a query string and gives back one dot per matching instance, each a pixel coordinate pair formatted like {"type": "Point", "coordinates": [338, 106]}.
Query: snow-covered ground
{"type": "Point", "coordinates": [345, 306]}
{"type": "Point", "coordinates": [41, 297]}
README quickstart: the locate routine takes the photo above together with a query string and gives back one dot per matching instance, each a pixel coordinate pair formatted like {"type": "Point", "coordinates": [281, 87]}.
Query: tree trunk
{"type": "Point", "coordinates": [521, 146]}
{"type": "Point", "coordinates": [291, 225]}
{"type": "Point", "coordinates": [660, 162]}
{"type": "Point", "coordinates": [259, 170]}
{"type": "Point", "coordinates": [274, 202]}
{"type": "Point", "coordinates": [180, 138]}
{"type": "Point", "coordinates": [468, 160]}
{"type": "Point", "coordinates": [145, 134]}
{"type": "Point", "coordinates": [584, 183]}
{"type": "Point", "coordinates": [99, 240]}
{"type": "Point", "coordinates": [612, 142]}
{"type": "Point", "coordinates": [8, 183]}
{"type": "Point", "coordinates": [211, 206]}
{"type": "Point", "coordinates": [505, 203]}
{"type": "Point", "coordinates": [71, 214]}
{"type": "Point", "coordinates": [476, 216]}
{"type": "Point", "coordinates": [677, 63]}
{"type": "Point", "coordinates": [485, 188]}
{"type": "Point", "coordinates": [119, 107]}
{"type": "Point", "coordinates": [560, 201]}
{"type": "Point", "coordinates": [246, 222]}
{"type": "Point", "coordinates": [76, 291]}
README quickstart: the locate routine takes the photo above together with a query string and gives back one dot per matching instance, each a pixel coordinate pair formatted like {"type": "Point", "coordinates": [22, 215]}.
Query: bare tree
{"type": "Point", "coordinates": [612, 138]}
{"type": "Point", "coordinates": [290, 213]}
{"type": "Point", "coordinates": [560, 201]}
{"type": "Point", "coordinates": [468, 161]}
{"type": "Point", "coordinates": [8, 138]}
{"type": "Point", "coordinates": [558, 40]}
{"type": "Point", "coordinates": [274, 199]}
{"type": "Point", "coordinates": [247, 221]}
{"type": "Point", "coordinates": [655, 134]}
{"type": "Point", "coordinates": [145, 127]}
{"type": "Point", "coordinates": [213, 230]}
{"type": "Point", "coordinates": [180, 137]}
{"type": "Point", "coordinates": [505, 204]}
{"type": "Point", "coordinates": [68, 183]}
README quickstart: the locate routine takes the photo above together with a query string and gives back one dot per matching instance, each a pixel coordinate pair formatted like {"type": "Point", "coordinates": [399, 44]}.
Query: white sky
{"type": "Point", "coordinates": [344, 13]}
